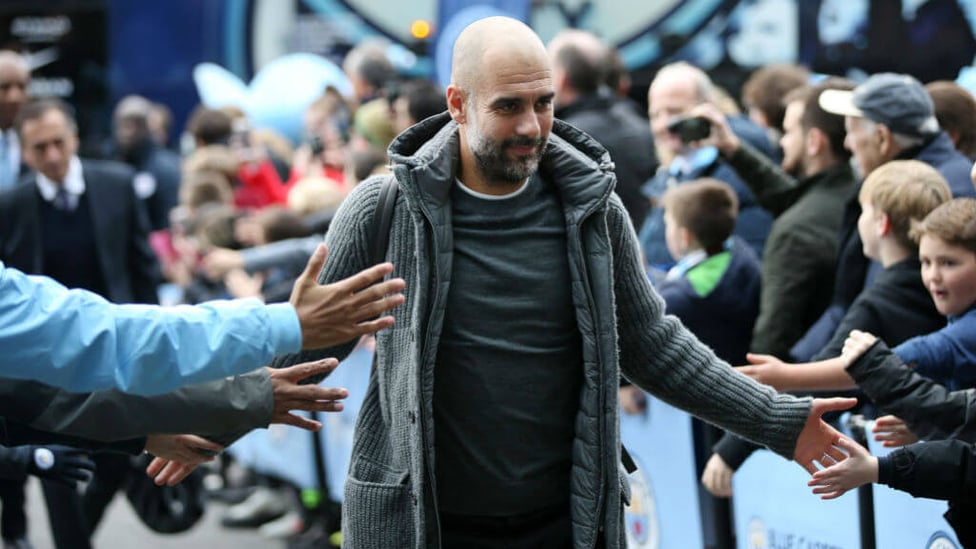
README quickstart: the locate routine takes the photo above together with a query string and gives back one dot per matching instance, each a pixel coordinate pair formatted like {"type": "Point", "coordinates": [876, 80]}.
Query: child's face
{"type": "Point", "coordinates": [867, 227]}
{"type": "Point", "coordinates": [949, 274]}
{"type": "Point", "coordinates": [673, 237]}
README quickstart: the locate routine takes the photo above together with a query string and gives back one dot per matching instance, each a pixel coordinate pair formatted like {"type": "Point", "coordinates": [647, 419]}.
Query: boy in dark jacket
{"type": "Point", "coordinates": [714, 288]}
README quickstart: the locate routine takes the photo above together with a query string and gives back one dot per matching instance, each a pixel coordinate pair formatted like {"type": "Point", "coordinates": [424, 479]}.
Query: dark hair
{"type": "Point", "coordinates": [37, 108]}
{"type": "Point", "coordinates": [205, 187]}
{"type": "Point", "coordinates": [955, 108]}
{"type": "Point", "coordinates": [583, 74]}
{"type": "Point", "coordinates": [832, 125]}
{"type": "Point", "coordinates": [424, 99]}
{"type": "Point", "coordinates": [766, 88]}
{"type": "Point", "coordinates": [365, 161]}
{"type": "Point", "coordinates": [706, 207]}
{"type": "Point", "coordinates": [615, 71]}
{"type": "Point", "coordinates": [210, 126]}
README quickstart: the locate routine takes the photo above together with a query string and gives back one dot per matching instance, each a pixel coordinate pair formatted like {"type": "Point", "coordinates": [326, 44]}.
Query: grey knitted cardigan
{"type": "Point", "coordinates": [389, 497]}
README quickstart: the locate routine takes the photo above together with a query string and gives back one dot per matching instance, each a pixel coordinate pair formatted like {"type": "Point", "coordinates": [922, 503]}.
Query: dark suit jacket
{"type": "Point", "coordinates": [121, 227]}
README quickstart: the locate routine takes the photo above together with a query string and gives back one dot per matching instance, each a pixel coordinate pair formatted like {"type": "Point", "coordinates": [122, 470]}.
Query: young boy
{"type": "Point", "coordinates": [896, 306]}
{"type": "Point", "coordinates": [947, 253]}
{"type": "Point", "coordinates": [714, 287]}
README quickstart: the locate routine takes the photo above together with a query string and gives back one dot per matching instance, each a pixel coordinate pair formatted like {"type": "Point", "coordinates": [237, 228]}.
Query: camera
{"type": "Point", "coordinates": [316, 145]}
{"type": "Point", "coordinates": [691, 129]}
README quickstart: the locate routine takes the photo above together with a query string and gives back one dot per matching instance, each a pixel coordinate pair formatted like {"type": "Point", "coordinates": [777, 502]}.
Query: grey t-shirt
{"type": "Point", "coordinates": [509, 366]}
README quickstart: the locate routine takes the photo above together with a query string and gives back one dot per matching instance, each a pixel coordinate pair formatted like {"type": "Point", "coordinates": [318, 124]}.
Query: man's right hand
{"type": "Point", "coordinates": [722, 135]}
{"type": "Point", "coordinates": [335, 313]}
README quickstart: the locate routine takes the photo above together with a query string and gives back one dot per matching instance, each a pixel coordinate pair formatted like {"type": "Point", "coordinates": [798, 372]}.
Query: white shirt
{"type": "Point", "coordinates": [74, 184]}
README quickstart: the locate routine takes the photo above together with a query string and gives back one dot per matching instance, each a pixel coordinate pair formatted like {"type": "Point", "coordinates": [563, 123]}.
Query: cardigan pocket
{"type": "Point", "coordinates": [378, 507]}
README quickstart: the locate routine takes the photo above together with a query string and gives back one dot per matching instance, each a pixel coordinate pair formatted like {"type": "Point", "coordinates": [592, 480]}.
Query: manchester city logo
{"type": "Point", "coordinates": [941, 540]}
{"type": "Point", "coordinates": [640, 517]}
{"type": "Point", "coordinates": [757, 534]}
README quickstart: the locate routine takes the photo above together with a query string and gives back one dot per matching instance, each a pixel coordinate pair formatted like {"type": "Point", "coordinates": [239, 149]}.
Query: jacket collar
{"type": "Point", "coordinates": [426, 160]}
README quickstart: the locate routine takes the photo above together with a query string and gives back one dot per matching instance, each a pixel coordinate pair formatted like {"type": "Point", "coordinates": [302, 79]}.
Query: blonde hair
{"type": "Point", "coordinates": [906, 191]}
{"type": "Point", "coordinates": [314, 194]}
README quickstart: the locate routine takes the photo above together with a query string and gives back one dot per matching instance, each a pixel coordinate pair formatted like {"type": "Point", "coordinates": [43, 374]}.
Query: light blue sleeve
{"type": "Point", "coordinates": [77, 341]}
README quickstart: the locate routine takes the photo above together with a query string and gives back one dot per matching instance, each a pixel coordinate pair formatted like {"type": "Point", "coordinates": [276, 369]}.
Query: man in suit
{"type": "Point", "coordinates": [79, 222]}
{"type": "Point", "coordinates": [14, 79]}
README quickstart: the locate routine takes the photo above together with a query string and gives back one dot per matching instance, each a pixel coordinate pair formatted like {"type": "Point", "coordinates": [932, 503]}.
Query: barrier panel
{"type": "Point", "coordinates": [664, 510]}
{"type": "Point", "coordinates": [774, 508]}
{"type": "Point", "coordinates": [901, 520]}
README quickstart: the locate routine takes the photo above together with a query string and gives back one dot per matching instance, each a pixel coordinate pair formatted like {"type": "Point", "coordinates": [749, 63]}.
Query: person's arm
{"type": "Point", "coordinates": [773, 188]}
{"type": "Point", "coordinates": [20, 434]}
{"type": "Point", "coordinates": [292, 254]}
{"type": "Point", "coordinates": [78, 341]}
{"type": "Point", "coordinates": [58, 463]}
{"type": "Point", "coordinates": [660, 355]}
{"type": "Point", "coordinates": [943, 469]}
{"type": "Point", "coordinates": [930, 409]}
{"type": "Point", "coordinates": [793, 264]}
{"type": "Point", "coordinates": [823, 375]}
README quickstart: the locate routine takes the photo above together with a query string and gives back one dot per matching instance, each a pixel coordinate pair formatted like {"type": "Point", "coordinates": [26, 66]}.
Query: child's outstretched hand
{"type": "Point", "coordinates": [858, 469]}
{"type": "Point", "coordinates": [856, 343]}
{"type": "Point", "coordinates": [892, 431]}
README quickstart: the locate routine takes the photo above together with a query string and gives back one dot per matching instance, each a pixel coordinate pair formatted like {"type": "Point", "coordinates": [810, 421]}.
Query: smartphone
{"type": "Point", "coordinates": [691, 129]}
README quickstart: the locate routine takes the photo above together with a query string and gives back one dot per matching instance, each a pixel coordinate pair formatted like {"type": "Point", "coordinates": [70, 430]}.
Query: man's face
{"type": "Point", "coordinates": [863, 141]}
{"type": "Point", "coordinates": [668, 99]}
{"type": "Point", "coordinates": [400, 114]}
{"type": "Point", "coordinates": [793, 140]}
{"type": "Point", "coordinates": [129, 132]}
{"type": "Point", "coordinates": [14, 79]}
{"type": "Point", "coordinates": [48, 143]}
{"type": "Point", "coordinates": [508, 122]}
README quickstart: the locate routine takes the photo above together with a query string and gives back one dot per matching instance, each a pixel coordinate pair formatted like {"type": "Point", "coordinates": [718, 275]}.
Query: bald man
{"type": "Point", "coordinates": [491, 414]}
{"type": "Point", "coordinates": [579, 70]}
{"type": "Point", "coordinates": [14, 79]}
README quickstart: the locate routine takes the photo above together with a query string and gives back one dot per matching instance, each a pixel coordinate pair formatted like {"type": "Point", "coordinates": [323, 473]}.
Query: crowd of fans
{"type": "Point", "coordinates": [825, 206]}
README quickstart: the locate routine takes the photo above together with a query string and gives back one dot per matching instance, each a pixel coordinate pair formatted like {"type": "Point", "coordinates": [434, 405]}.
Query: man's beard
{"type": "Point", "coordinates": [494, 163]}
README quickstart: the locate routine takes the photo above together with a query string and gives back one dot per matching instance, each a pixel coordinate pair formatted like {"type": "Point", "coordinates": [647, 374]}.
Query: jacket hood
{"type": "Point", "coordinates": [426, 159]}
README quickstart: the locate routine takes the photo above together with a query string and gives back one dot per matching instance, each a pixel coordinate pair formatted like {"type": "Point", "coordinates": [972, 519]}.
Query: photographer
{"type": "Point", "coordinates": [685, 155]}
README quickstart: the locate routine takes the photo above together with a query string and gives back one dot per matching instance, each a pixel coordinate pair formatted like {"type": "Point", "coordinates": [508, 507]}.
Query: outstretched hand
{"type": "Point", "coordinates": [858, 469]}
{"type": "Point", "coordinates": [892, 431]}
{"type": "Point", "coordinates": [765, 369]}
{"type": "Point", "coordinates": [289, 395]}
{"type": "Point", "coordinates": [335, 313]}
{"type": "Point", "coordinates": [168, 472]}
{"type": "Point", "coordinates": [856, 344]}
{"type": "Point", "coordinates": [818, 441]}
{"type": "Point", "coordinates": [717, 477]}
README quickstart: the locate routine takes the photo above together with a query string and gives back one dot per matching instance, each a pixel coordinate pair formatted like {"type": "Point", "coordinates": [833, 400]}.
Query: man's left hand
{"type": "Point", "coordinates": [818, 441]}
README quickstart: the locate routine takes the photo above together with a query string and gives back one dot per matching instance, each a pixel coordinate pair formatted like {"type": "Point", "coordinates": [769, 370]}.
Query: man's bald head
{"type": "Point", "coordinates": [14, 79]}
{"type": "Point", "coordinates": [490, 41]}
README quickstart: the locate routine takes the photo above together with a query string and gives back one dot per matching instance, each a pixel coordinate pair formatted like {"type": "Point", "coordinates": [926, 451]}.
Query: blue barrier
{"type": "Point", "coordinates": [901, 520]}
{"type": "Point", "coordinates": [774, 508]}
{"type": "Point", "coordinates": [664, 508]}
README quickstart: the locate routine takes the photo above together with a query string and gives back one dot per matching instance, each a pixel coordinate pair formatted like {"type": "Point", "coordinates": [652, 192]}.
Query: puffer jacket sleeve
{"type": "Point", "coordinates": [931, 410]}
{"type": "Point", "coordinates": [664, 358]}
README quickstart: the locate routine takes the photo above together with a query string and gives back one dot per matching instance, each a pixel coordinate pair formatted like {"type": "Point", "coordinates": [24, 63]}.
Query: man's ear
{"type": "Point", "coordinates": [886, 141]}
{"type": "Point", "coordinates": [814, 142]}
{"type": "Point", "coordinates": [457, 103]}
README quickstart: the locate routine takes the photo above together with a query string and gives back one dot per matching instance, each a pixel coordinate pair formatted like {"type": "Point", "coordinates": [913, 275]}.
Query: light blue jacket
{"type": "Point", "coordinates": [75, 340]}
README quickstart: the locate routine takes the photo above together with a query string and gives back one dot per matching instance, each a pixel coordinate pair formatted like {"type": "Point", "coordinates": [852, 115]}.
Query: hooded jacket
{"type": "Point", "coordinates": [389, 498]}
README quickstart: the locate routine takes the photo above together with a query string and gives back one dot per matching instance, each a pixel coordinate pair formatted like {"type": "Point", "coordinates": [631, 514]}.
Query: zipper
{"type": "Point", "coordinates": [601, 427]}
{"type": "Point", "coordinates": [425, 360]}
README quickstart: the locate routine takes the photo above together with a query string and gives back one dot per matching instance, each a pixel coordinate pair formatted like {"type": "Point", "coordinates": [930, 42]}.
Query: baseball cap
{"type": "Point", "coordinates": [898, 101]}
